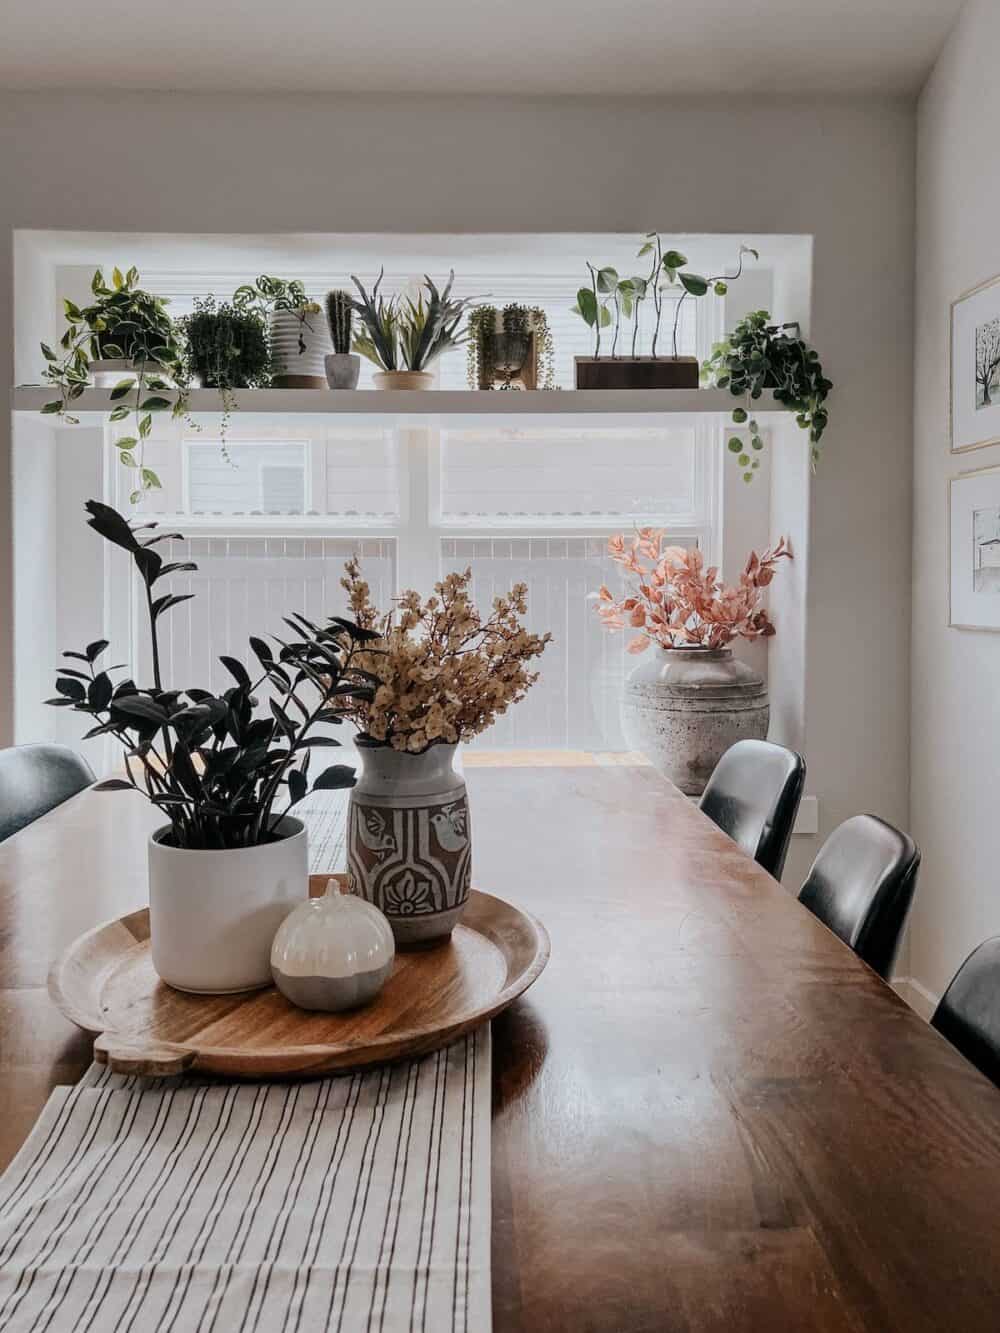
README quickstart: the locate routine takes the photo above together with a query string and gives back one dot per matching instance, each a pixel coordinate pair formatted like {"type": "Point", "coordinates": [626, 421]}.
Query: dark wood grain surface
{"type": "Point", "coordinates": [708, 1114]}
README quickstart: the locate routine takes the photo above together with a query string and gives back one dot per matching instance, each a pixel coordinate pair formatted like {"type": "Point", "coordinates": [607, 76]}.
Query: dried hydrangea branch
{"type": "Point", "coordinates": [677, 602]}
{"type": "Point", "coordinates": [442, 672]}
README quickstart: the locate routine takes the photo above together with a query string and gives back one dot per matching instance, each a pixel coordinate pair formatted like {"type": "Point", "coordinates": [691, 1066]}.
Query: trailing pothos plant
{"type": "Point", "coordinates": [759, 355]}
{"type": "Point", "coordinates": [122, 323]}
{"type": "Point", "coordinates": [609, 299]}
{"type": "Point", "coordinates": [223, 770]}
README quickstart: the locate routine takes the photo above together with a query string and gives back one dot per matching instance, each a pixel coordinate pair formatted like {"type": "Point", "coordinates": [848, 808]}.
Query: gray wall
{"type": "Point", "coordinates": [840, 170]}
{"type": "Point", "coordinates": [956, 673]}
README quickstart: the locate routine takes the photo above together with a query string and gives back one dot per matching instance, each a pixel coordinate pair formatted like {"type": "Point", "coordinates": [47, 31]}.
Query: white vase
{"type": "Point", "coordinates": [408, 841]}
{"type": "Point", "coordinates": [684, 707]}
{"type": "Point", "coordinates": [213, 915]}
{"type": "Point", "coordinates": [292, 368]}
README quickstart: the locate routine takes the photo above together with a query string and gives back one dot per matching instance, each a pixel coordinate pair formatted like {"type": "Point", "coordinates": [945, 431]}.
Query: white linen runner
{"type": "Point", "coordinates": [190, 1206]}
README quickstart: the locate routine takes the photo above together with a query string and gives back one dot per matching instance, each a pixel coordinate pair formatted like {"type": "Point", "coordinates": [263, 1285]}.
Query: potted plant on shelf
{"type": "Point", "coordinates": [441, 673]}
{"type": "Point", "coordinates": [342, 365]}
{"type": "Point", "coordinates": [230, 862]}
{"type": "Point", "coordinates": [124, 339]}
{"type": "Point", "coordinates": [296, 334]}
{"type": "Point", "coordinates": [610, 300]}
{"type": "Point", "coordinates": [689, 699]}
{"type": "Point", "coordinates": [759, 355]}
{"type": "Point", "coordinates": [510, 348]}
{"type": "Point", "coordinates": [403, 336]}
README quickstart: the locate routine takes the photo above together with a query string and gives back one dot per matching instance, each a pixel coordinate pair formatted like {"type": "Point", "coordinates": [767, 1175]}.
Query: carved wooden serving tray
{"type": "Point", "coordinates": [105, 983]}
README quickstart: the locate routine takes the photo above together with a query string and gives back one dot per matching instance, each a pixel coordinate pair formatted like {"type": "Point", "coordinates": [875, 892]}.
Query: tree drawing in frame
{"type": "Point", "coordinates": [987, 362]}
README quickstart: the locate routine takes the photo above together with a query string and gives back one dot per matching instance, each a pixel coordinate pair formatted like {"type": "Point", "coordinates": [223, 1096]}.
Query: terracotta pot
{"type": "Point", "coordinates": [408, 841]}
{"type": "Point", "coordinates": [684, 707]}
{"type": "Point", "coordinates": [213, 914]}
{"type": "Point", "coordinates": [403, 379]}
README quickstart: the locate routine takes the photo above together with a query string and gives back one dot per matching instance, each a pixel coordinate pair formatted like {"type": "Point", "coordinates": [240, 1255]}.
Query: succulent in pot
{"type": "Point", "coordinates": [230, 862]}
{"type": "Point", "coordinates": [689, 700]}
{"type": "Point", "coordinates": [510, 348]}
{"type": "Point", "coordinates": [342, 365]}
{"type": "Point", "coordinates": [124, 340]}
{"type": "Point", "coordinates": [441, 673]}
{"type": "Point", "coordinates": [402, 336]}
{"type": "Point", "coordinates": [297, 337]}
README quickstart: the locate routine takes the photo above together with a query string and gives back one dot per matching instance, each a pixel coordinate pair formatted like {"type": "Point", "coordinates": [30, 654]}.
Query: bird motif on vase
{"type": "Point", "coordinates": [375, 833]}
{"type": "Point", "coordinates": [450, 829]}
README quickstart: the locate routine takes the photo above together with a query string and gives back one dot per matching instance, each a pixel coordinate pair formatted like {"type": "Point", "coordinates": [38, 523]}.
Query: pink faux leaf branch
{"type": "Point", "coordinates": [675, 601]}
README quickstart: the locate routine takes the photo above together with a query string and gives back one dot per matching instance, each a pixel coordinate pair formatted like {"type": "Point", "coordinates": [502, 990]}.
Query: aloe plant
{"type": "Point", "coordinates": [401, 333]}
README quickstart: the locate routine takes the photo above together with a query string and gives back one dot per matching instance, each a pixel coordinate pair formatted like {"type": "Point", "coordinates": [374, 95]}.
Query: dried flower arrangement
{"type": "Point", "coordinates": [678, 603]}
{"type": "Point", "coordinates": [440, 672]}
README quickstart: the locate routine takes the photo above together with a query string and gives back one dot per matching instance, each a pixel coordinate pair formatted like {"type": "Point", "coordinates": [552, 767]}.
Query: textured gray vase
{"type": "Point", "coordinates": [342, 370]}
{"type": "Point", "coordinates": [684, 707]}
{"type": "Point", "coordinates": [408, 841]}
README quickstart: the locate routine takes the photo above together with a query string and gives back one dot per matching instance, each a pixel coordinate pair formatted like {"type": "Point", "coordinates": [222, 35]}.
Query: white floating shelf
{"type": "Point", "coordinates": [539, 404]}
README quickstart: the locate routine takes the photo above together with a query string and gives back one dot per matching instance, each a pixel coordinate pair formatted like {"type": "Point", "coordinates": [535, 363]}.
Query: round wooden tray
{"type": "Point", "coordinates": [105, 983]}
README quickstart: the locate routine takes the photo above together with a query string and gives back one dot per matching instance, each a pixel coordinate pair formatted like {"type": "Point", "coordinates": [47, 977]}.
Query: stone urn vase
{"type": "Point", "coordinates": [684, 707]}
{"type": "Point", "coordinates": [408, 841]}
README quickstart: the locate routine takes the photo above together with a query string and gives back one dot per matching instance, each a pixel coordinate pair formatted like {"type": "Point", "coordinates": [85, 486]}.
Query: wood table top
{"type": "Point", "coordinates": [708, 1114]}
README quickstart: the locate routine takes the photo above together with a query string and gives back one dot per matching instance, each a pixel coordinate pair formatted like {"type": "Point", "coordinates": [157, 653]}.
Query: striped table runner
{"type": "Point", "coordinates": [189, 1206]}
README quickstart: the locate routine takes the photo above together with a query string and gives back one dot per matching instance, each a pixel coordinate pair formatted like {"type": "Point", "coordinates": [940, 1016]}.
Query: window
{"type": "Point", "coordinates": [271, 517]}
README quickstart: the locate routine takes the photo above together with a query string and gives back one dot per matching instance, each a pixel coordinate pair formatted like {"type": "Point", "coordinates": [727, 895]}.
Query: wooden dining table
{"type": "Point", "coordinates": [708, 1114]}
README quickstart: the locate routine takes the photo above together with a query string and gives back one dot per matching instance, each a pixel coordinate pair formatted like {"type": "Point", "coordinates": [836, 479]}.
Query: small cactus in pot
{"type": "Point", "coordinates": [342, 366]}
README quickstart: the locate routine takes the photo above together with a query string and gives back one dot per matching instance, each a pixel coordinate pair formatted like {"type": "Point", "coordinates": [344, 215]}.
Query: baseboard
{"type": "Point", "coordinates": [918, 997]}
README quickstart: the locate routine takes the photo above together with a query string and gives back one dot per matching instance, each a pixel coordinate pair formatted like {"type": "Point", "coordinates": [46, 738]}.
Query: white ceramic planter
{"type": "Point", "coordinates": [684, 707]}
{"type": "Point", "coordinates": [408, 841]}
{"type": "Point", "coordinates": [106, 374]}
{"type": "Point", "coordinates": [213, 915]}
{"type": "Point", "coordinates": [294, 369]}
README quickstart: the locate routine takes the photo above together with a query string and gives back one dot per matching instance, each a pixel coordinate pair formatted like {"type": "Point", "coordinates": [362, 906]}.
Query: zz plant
{"type": "Point", "coordinates": [223, 770]}
{"type": "Point", "coordinates": [759, 355]}
{"type": "Point", "coordinates": [123, 322]}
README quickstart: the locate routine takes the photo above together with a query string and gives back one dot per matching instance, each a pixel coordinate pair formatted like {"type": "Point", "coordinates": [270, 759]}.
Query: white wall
{"type": "Point", "coordinates": [840, 170]}
{"type": "Point", "coordinates": [956, 673]}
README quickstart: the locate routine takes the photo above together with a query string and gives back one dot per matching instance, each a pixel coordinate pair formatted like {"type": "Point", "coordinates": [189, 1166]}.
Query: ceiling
{"type": "Point", "coordinates": [715, 47]}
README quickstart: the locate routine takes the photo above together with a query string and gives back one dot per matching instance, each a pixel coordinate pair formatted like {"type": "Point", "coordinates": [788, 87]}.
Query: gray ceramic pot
{"type": "Point", "coordinates": [342, 370]}
{"type": "Point", "coordinates": [684, 707]}
{"type": "Point", "coordinates": [408, 841]}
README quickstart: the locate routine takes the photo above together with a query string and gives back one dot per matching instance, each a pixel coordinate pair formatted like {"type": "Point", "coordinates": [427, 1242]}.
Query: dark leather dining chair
{"type": "Point", "coordinates": [969, 1012]}
{"type": "Point", "coordinates": [753, 795]}
{"type": "Point", "coordinates": [36, 778]}
{"type": "Point", "coordinates": [861, 885]}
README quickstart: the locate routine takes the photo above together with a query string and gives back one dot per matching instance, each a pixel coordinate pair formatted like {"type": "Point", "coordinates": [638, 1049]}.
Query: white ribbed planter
{"type": "Point", "coordinates": [408, 841]}
{"type": "Point", "coordinates": [213, 915]}
{"type": "Point", "coordinates": [293, 369]}
{"type": "Point", "coordinates": [684, 707]}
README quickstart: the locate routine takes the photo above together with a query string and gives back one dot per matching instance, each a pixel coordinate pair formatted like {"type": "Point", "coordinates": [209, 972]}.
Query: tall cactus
{"type": "Point", "coordinates": [339, 315]}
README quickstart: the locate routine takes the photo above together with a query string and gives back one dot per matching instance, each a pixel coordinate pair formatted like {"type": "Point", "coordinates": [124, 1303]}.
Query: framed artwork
{"type": "Point", "coordinates": [974, 549]}
{"type": "Point", "coordinates": [975, 368]}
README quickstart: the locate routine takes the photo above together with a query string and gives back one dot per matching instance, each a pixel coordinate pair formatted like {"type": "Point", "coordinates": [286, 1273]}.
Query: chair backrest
{"type": "Point", "coordinates": [861, 885]}
{"type": "Point", "coordinates": [34, 779]}
{"type": "Point", "coordinates": [753, 795]}
{"type": "Point", "coordinates": [969, 1012]}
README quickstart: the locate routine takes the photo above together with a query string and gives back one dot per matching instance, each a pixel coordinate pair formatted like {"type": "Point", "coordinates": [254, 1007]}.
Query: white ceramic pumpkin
{"type": "Point", "coordinates": [332, 953]}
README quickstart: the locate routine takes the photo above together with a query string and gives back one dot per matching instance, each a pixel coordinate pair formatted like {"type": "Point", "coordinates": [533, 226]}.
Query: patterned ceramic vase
{"type": "Point", "coordinates": [408, 841]}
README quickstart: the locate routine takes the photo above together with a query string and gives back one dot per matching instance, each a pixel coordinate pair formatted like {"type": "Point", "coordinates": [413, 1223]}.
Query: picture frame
{"type": "Point", "coordinates": [974, 396]}
{"type": "Point", "coordinates": [974, 550]}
